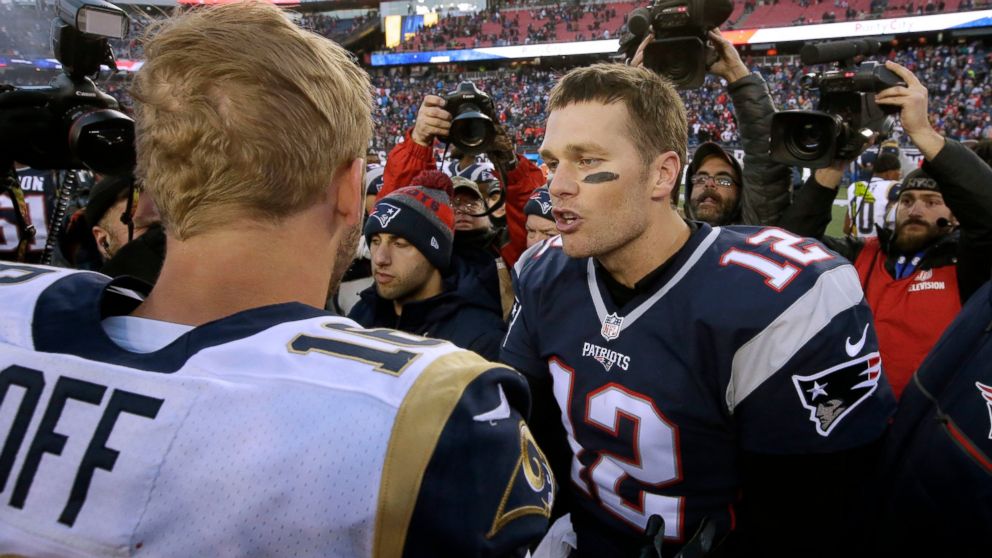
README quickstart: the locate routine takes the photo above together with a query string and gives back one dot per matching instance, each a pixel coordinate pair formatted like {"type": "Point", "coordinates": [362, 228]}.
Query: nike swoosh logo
{"type": "Point", "coordinates": [854, 349]}
{"type": "Point", "coordinates": [502, 411]}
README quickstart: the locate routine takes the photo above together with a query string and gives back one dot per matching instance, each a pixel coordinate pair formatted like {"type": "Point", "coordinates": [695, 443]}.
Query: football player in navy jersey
{"type": "Point", "coordinates": [721, 387]}
{"type": "Point", "coordinates": [224, 412]}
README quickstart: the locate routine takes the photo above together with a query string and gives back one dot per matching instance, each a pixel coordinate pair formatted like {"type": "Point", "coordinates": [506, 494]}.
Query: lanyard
{"type": "Point", "coordinates": [906, 268]}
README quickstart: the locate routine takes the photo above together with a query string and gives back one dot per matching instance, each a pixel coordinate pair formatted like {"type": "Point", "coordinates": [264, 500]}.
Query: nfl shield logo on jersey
{"type": "Point", "coordinates": [611, 326]}
{"type": "Point", "coordinates": [832, 394]}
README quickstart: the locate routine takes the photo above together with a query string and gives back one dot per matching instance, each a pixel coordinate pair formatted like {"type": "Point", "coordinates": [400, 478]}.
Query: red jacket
{"type": "Point", "coordinates": [409, 158]}
{"type": "Point", "coordinates": [910, 313]}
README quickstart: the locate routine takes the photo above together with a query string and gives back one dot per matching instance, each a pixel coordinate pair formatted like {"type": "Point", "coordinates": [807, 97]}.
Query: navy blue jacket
{"type": "Point", "coordinates": [937, 473]}
{"type": "Point", "coordinates": [463, 314]}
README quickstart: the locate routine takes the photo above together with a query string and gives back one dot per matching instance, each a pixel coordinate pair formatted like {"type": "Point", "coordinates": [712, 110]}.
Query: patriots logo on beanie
{"type": "Point", "coordinates": [385, 212]}
{"type": "Point", "coordinates": [421, 213]}
{"type": "Point", "coordinates": [539, 203]}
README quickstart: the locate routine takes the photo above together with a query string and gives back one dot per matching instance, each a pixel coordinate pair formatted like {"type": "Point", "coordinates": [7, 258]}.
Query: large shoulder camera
{"type": "Point", "coordinates": [473, 128]}
{"type": "Point", "coordinates": [847, 117]}
{"type": "Point", "coordinates": [679, 49]}
{"type": "Point", "coordinates": [70, 124]}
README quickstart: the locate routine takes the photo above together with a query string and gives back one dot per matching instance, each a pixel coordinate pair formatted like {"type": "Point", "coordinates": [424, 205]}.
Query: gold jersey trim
{"type": "Point", "coordinates": [419, 422]}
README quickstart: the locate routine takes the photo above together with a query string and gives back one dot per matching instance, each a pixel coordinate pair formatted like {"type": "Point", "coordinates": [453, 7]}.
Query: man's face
{"type": "Point", "coordinates": [538, 229]}
{"type": "Point", "coordinates": [466, 204]}
{"type": "Point", "coordinates": [711, 202]}
{"type": "Point", "coordinates": [399, 269]}
{"type": "Point", "coordinates": [916, 220]}
{"type": "Point", "coordinates": [600, 190]}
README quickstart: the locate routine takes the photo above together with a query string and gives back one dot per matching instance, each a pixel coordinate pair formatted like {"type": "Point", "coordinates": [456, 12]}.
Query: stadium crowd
{"type": "Point", "coordinates": [957, 77]}
{"type": "Point", "coordinates": [647, 346]}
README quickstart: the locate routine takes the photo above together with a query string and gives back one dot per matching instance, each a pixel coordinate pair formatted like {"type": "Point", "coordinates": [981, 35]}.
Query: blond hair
{"type": "Point", "coordinates": [657, 116]}
{"type": "Point", "coordinates": [241, 114]}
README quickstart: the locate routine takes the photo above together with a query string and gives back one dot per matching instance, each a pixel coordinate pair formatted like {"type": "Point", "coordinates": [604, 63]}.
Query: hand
{"type": "Point", "coordinates": [638, 60]}
{"type": "Point", "coordinates": [432, 121]}
{"type": "Point", "coordinates": [912, 102]}
{"type": "Point", "coordinates": [503, 151]}
{"type": "Point", "coordinates": [728, 65]}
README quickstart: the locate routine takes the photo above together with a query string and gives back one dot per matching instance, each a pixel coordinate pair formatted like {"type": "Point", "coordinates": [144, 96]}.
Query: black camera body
{"type": "Point", "coordinates": [71, 124]}
{"type": "Point", "coordinates": [679, 50]}
{"type": "Point", "coordinates": [473, 124]}
{"type": "Point", "coordinates": [847, 117]}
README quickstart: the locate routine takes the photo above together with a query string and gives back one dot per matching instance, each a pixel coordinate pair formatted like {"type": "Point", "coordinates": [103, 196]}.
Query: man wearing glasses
{"type": "Point", "coordinates": [713, 187]}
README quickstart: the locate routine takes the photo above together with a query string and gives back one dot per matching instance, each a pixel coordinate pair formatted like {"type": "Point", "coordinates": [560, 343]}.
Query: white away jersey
{"type": "Point", "coordinates": [280, 430]}
{"type": "Point", "coordinates": [867, 205]}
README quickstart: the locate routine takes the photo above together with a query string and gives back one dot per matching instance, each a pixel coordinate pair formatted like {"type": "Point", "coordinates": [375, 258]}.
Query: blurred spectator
{"type": "Point", "coordinates": [38, 188]}
{"type": "Point", "coordinates": [868, 204]}
{"type": "Point", "coordinates": [540, 222]}
{"type": "Point", "coordinates": [418, 288]}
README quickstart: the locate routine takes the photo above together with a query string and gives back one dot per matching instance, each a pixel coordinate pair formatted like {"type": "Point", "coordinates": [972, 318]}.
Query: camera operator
{"type": "Point", "coordinates": [717, 190]}
{"type": "Point", "coordinates": [415, 154]}
{"type": "Point", "coordinates": [916, 276]}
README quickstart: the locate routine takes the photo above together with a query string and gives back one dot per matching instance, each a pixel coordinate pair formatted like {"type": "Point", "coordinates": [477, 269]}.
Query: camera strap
{"type": "Point", "coordinates": [12, 187]}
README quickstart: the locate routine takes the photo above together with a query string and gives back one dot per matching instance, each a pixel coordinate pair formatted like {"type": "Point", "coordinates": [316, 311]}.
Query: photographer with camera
{"type": "Point", "coordinates": [415, 154]}
{"type": "Point", "coordinates": [486, 252]}
{"type": "Point", "coordinates": [917, 275]}
{"type": "Point", "coordinates": [718, 190]}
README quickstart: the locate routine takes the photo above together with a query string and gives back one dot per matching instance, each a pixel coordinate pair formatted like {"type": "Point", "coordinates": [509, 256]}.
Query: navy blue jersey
{"type": "Point", "coordinates": [39, 189]}
{"type": "Point", "coordinates": [754, 340]}
{"type": "Point", "coordinates": [938, 465]}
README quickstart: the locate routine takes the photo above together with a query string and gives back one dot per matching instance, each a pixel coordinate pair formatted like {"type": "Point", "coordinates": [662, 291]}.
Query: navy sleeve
{"type": "Point", "coordinates": [830, 394]}
{"type": "Point", "coordinates": [520, 348]}
{"type": "Point", "coordinates": [488, 489]}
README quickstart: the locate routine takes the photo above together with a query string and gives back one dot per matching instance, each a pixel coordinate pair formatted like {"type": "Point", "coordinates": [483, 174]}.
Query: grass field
{"type": "Point", "coordinates": [836, 226]}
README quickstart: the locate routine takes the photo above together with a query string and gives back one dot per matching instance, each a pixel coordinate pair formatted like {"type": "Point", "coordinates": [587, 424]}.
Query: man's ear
{"type": "Point", "coordinates": [349, 198]}
{"type": "Point", "coordinates": [102, 239]}
{"type": "Point", "coordinates": [667, 170]}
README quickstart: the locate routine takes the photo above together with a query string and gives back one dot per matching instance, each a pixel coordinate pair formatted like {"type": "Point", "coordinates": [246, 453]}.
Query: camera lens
{"type": "Point", "coordinates": [471, 130]}
{"type": "Point", "coordinates": [806, 140]}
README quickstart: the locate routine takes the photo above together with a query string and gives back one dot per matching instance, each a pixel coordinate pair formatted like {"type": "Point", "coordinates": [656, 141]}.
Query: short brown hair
{"type": "Point", "coordinates": [657, 115]}
{"type": "Point", "coordinates": [240, 113]}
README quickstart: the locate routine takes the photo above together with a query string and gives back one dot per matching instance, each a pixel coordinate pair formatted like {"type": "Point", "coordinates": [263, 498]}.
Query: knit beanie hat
{"type": "Point", "coordinates": [420, 213]}
{"type": "Point", "coordinates": [540, 204]}
{"type": "Point", "coordinates": [919, 180]}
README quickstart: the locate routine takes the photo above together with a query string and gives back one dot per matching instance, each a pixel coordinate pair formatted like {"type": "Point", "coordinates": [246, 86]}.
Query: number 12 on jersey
{"type": "Point", "coordinates": [652, 460]}
{"type": "Point", "coordinates": [785, 244]}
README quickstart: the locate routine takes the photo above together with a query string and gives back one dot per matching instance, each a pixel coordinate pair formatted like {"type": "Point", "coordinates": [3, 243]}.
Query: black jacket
{"type": "Point", "coordinates": [462, 314]}
{"type": "Point", "coordinates": [966, 185]}
{"type": "Point", "coordinates": [766, 188]}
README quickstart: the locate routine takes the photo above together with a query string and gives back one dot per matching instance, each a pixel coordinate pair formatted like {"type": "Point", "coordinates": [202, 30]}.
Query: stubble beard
{"type": "Point", "coordinates": [345, 255]}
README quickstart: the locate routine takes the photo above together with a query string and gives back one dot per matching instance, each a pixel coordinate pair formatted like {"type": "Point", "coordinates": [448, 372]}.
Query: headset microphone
{"type": "Point", "coordinates": [943, 223]}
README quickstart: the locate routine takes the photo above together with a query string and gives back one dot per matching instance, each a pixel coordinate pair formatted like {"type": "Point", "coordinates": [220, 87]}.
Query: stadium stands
{"type": "Point", "coordinates": [524, 23]}
{"type": "Point", "coordinates": [958, 76]}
